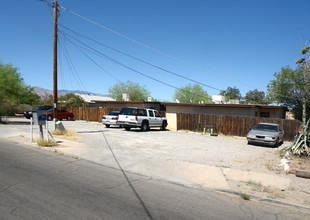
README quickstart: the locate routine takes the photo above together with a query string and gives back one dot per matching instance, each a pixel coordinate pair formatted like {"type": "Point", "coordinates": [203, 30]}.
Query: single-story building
{"type": "Point", "coordinates": [170, 109]}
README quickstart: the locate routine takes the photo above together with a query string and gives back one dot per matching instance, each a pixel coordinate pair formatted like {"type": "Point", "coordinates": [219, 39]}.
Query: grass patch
{"type": "Point", "coordinates": [245, 196]}
{"type": "Point", "coordinates": [255, 186]}
{"type": "Point", "coordinates": [45, 143]}
{"type": "Point", "coordinates": [66, 134]}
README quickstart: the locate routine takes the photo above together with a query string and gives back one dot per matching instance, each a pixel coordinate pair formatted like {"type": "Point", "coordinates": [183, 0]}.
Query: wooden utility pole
{"type": "Point", "coordinates": [55, 62]}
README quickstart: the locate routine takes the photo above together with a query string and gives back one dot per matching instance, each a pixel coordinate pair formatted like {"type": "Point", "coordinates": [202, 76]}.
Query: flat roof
{"type": "Point", "coordinates": [198, 105]}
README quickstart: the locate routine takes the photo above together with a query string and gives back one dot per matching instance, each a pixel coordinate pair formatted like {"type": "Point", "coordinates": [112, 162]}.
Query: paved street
{"type": "Point", "coordinates": [37, 184]}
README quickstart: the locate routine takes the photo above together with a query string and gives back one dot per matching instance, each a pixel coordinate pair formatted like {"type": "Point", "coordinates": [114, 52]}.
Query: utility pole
{"type": "Point", "coordinates": [55, 63]}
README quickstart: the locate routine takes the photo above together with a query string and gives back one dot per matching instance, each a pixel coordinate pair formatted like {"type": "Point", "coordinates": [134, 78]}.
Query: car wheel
{"type": "Point", "coordinates": [277, 143]}
{"type": "Point", "coordinates": [164, 125]}
{"type": "Point", "coordinates": [68, 117]}
{"type": "Point", "coordinates": [107, 126]}
{"type": "Point", "coordinates": [49, 118]}
{"type": "Point", "coordinates": [144, 126]}
{"type": "Point", "coordinates": [127, 128]}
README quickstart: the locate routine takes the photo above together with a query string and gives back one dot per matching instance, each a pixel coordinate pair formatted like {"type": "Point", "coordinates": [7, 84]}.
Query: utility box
{"type": "Point", "coordinates": [60, 126]}
{"type": "Point", "coordinates": [39, 117]}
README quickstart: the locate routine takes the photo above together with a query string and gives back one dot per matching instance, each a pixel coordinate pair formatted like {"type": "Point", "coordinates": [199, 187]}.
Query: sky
{"type": "Point", "coordinates": [218, 44]}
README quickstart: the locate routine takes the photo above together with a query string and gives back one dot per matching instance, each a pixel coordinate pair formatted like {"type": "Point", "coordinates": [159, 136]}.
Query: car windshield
{"type": "Point", "coordinates": [265, 127]}
{"type": "Point", "coordinates": [114, 113]}
{"type": "Point", "coordinates": [36, 108]}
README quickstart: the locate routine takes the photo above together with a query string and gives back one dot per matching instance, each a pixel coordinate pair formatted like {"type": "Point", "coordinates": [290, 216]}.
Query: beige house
{"type": "Point", "coordinates": [170, 109]}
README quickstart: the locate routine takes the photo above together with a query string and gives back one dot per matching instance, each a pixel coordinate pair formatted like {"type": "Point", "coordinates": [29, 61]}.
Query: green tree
{"type": "Point", "coordinates": [13, 91]}
{"type": "Point", "coordinates": [135, 90]}
{"type": "Point", "coordinates": [255, 97]}
{"type": "Point", "coordinates": [72, 100]}
{"type": "Point", "coordinates": [231, 93]}
{"type": "Point", "coordinates": [192, 94]}
{"type": "Point", "coordinates": [288, 89]}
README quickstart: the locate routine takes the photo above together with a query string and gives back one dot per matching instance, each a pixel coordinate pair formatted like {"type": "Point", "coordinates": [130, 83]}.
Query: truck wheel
{"type": "Point", "coordinates": [127, 128]}
{"type": "Point", "coordinates": [49, 118]}
{"type": "Point", "coordinates": [164, 125]}
{"type": "Point", "coordinates": [144, 126]}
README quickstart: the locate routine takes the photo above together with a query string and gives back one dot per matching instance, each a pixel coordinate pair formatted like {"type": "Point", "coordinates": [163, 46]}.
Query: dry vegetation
{"type": "Point", "coordinates": [66, 134]}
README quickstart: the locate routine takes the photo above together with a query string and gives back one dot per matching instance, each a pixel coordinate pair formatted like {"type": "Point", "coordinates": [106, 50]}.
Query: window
{"type": "Point", "coordinates": [151, 113]}
{"type": "Point", "coordinates": [157, 114]}
{"type": "Point", "coordinates": [265, 114]}
{"type": "Point", "coordinates": [141, 112]}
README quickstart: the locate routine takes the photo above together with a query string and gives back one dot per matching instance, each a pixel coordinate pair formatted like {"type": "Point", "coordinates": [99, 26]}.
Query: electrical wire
{"type": "Point", "coordinates": [127, 67]}
{"type": "Point", "coordinates": [72, 68]}
{"type": "Point", "coordinates": [145, 62]}
{"type": "Point", "coordinates": [155, 50]}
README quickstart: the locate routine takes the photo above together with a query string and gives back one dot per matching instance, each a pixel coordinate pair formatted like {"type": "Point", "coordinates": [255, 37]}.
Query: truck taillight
{"type": "Point", "coordinates": [136, 118]}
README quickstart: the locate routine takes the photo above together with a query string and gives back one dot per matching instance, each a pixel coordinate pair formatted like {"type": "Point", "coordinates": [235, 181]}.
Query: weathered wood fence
{"type": "Point", "coordinates": [90, 114]}
{"type": "Point", "coordinates": [233, 125]}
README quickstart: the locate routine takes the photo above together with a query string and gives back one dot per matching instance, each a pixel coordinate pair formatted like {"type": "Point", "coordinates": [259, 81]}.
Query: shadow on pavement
{"type": "Point", "coordinates": [89, 132]}
{"type": "Point", "coordinates": [128, 181]}
{"type": "Point", "coordinates": [17, 122]}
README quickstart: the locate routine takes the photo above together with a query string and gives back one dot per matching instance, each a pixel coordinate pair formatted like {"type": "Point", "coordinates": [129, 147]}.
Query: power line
{"type": "Point", "coordinates": [140, 60]}
{"type": "Point", "coordinates": [155, 50]}
{"type": "Point", "coordinates": [72, 68]}
{"type": "Point", "coordinates": [127, 67]}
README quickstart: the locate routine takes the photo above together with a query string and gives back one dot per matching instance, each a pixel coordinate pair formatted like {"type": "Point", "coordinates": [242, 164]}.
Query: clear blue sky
{"type": "Point", "coordinates": [238, 43]}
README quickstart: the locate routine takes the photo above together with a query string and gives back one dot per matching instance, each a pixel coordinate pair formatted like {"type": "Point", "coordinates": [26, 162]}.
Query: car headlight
{"type": "Point", "coordinates": [250, 136]}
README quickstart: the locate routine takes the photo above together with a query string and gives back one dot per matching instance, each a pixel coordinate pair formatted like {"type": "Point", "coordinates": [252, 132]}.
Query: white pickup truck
{"type": "Point", "coordinates": [141, 118]}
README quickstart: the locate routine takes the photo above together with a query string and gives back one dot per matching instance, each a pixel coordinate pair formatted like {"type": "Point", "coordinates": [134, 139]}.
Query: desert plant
{"type": "Point", "coordinates": [45, 143]}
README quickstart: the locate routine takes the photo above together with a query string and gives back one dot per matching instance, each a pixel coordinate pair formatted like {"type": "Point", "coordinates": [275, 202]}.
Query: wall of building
{"type": "Point", "coordinates": [242, 110]}
{"type": "Point", "coordinates": [211, 110]}
{"type": "Point", "coordinates": [172, 121]}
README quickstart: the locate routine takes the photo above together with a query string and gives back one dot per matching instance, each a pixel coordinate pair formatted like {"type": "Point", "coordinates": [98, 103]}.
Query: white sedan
{"type": "Point", "coordinates": [110, 119]}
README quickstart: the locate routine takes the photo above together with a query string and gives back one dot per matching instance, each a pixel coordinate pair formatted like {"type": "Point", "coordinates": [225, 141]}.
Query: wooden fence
{"type": "Point", "coordinates": [233, 125]}
{"type": "Point", "coordinates": [90, 114]}
{"type": "Point", "coordinates": [227, 125]}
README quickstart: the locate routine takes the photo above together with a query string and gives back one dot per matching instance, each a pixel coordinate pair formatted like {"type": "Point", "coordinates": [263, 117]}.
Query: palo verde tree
{"type": "Point", "coordinates": [292, 87]}
{"type": "Point", "coordinates": [13, 90]}
{"type": "Point", "coordinates": [255, 97]}
{"type": "Point", "coordinates": [192, 94]}
{"type": "Point", "coordinates": [231, 93]}
{"type": "Point", "coordinates": [72, 100]}
{"type": "Point", "coordinates": [135, 90]}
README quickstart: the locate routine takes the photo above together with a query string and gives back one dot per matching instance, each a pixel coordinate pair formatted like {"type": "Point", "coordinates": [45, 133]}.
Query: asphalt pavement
{"type": "Point", "coordinates": [225, 164]}
{"type": "Point", "coordinates": [39, 184]}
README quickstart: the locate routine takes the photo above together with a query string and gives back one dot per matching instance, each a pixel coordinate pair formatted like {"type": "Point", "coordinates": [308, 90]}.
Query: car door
{"type": "Point", "coordinates": [158, 118]}
{"type": "Point", "coordinates": [61, 114]}
{"type": "Point", "coordinates": [151, 118]}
